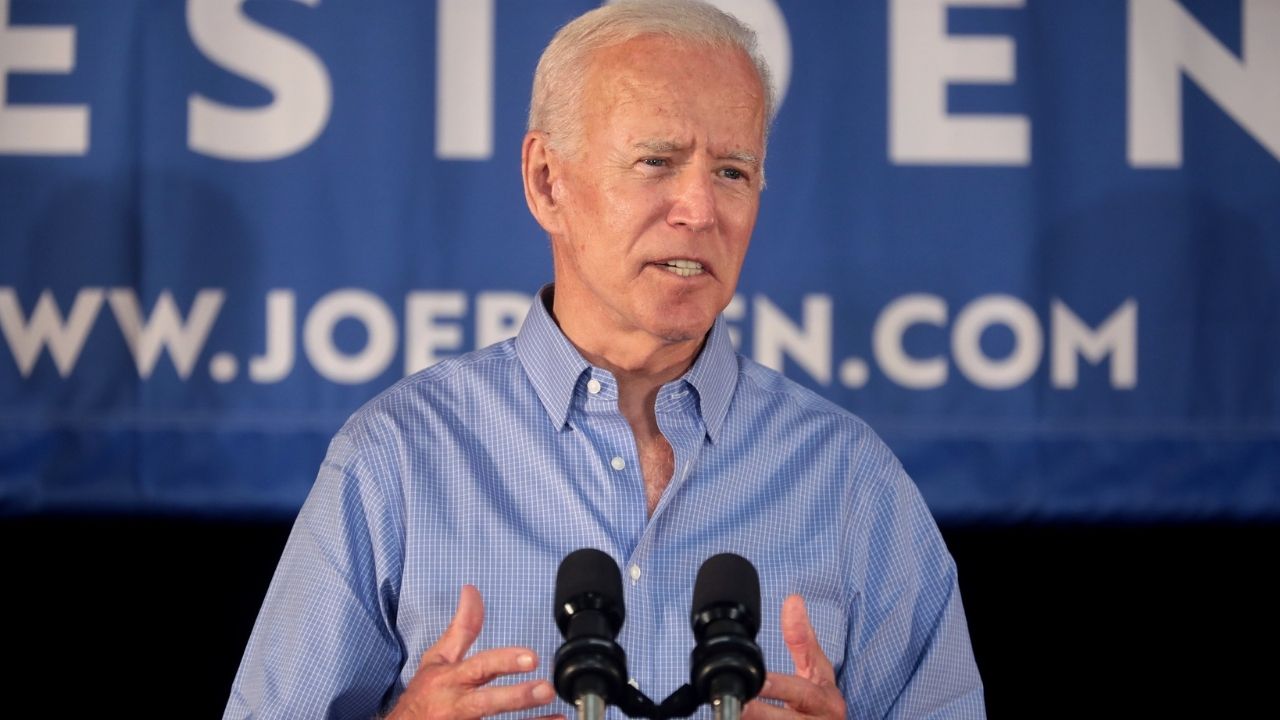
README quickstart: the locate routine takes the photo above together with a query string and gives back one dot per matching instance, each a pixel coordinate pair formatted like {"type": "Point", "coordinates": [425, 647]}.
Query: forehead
{"type": "Point", "coordinates": [665, 82]}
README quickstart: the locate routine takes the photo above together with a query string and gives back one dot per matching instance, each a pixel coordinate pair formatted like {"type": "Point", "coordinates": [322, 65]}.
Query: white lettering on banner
{"type": "Point", "coordinates": [886, 341]}
{"type": "Point", "coordinates": [809, 345]}
{"type": "Point", "coordinates": [424, 335]}
{"type": "Point", "coordinates": [966, 342]}
{"type": "Point", "coordinates": [923, 61]}
{"type": "Point", "coordinates": [499, 316]}
{"type": "Point", "coordinates": [164, 329]}
{"type": "Point", "coordinates": [39, 129]}
{"type": "Point", "coordinates": [277, 363]}
{"type": "Point", "coordinates": [328, 360]}
{"type": "Point", "coordinates": [464, 79]}
{"type": "Point", "coordinates": [1164, 42]}
{"type": "Point", "coordinates": [299, 81]}
{"type": "Point", "coordinates": [434, 321]}
{"type": "Point", "coordinates": [46, 328]}
{"type": "Point", "coordinates": [1117, 337]}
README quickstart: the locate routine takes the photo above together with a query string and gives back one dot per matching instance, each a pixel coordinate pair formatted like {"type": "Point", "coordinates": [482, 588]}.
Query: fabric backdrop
{"type": "Point", "coordinates": [1034, 243]}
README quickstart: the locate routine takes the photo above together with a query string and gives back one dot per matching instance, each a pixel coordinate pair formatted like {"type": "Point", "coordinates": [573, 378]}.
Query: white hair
{"type": "Point", "coordinates": [560, 80]}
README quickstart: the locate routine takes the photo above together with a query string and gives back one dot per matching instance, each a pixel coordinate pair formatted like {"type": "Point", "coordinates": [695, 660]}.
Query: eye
{"type": "Point", "coordinates": [655, 162]}
{"type": "Point", "coordinates": [733, 174]}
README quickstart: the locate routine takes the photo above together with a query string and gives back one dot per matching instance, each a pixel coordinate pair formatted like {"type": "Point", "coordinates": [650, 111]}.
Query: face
{"type": "Point", "coordinates": [656, 203]}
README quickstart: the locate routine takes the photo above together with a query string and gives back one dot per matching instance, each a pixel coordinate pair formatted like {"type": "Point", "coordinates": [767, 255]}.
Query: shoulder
{"type": "Point", "coordinates": [791, 405]}
{"type": "Point", "coordinates": [756, 378]}
{"type": "Point", "coordinates": [832, 442]}
{"type": "Point", "coordinates": [445, 388]}
{"type": "Point", "coordinates": [418, 418]}
{"type": "Point", "coordinates": [432, 403]}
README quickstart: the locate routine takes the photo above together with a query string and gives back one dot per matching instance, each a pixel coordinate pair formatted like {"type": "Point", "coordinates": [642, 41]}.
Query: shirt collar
{"type": "Point", "coordinates": [554, 367]}
{"type": "Point", "coordinates": [714, 376]}
{"type": "Point", "coordinates": [550, 361]}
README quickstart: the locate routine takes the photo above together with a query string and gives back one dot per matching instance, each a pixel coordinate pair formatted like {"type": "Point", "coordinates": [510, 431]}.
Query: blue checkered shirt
{"type": "Point", "coordinates": [489, 468]}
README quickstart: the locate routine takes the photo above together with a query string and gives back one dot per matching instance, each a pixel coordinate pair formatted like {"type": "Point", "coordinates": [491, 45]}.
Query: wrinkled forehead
{"type": "Point", "coordinates": [663, 78]}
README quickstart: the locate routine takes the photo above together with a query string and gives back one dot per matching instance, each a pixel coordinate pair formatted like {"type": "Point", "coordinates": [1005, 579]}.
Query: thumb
{"type": "Point", "coordinates": [463, 630]}
{"type": "Point", "coordinates": [802, 642]}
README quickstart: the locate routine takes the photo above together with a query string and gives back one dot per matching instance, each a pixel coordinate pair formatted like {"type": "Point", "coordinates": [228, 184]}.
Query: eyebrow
{"type": "Point", "coordinates": [666, 146]}
{"type": "Point", "coordinates": [745, 157]}
{"type": "Point", "coordinates": [658, 146]}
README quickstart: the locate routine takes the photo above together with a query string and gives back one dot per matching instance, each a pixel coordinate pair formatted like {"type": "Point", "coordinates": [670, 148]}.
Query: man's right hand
{"type": "Point", "coordinates": [449, 687]}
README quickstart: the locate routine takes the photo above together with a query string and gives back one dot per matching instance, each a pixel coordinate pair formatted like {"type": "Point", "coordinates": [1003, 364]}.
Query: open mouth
{"type": "Point", "coordinates": [683, 268]}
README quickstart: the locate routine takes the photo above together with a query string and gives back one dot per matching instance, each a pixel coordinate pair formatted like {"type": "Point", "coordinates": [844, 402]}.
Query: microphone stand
{"type": "Point", "coordinates": [590, 707]}
{"type": "Point", "coordinates": [727, 707]}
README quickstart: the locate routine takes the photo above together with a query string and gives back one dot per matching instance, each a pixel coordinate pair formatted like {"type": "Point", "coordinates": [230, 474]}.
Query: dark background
{"type": "Point", "coordinates": [148, 616]}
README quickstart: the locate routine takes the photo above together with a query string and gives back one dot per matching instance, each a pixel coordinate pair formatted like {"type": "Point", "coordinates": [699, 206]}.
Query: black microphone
{"type": "Point", "coordinates": [590, 668]}
{"type": "Point", "coordinates": [727, 669]}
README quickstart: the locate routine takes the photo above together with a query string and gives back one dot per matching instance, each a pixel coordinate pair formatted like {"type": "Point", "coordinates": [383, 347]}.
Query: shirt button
{"type": "Point", "coordinates": [618, 463]}
{"type": "Point", "coordinates": [593, 386]}
{"type": "Point", "coordinates": [635, 572]}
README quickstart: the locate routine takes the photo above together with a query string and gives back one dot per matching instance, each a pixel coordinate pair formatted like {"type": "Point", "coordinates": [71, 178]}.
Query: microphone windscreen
{"type": "Point", "coordinates": [589, 571]}
{"type": "Point", "coordinates": [727, 579]}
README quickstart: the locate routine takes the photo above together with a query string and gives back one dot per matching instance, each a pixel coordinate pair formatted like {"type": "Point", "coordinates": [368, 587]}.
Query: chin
{"type": "Point", "coordinates": [681, 317]}
{"type": "Point", "coordinates": [682, 329]}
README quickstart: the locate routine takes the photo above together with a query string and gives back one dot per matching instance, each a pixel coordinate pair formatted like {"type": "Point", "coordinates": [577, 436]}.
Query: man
{"type": "Point", "coordinates": [619, 418]}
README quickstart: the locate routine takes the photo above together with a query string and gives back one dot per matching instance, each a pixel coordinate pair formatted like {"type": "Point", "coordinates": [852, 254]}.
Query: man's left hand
{"type": "Point", "coordinates": [810, 693]}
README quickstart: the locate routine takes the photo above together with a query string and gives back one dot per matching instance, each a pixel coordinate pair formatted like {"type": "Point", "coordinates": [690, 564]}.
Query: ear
{"type": "Point", "coordinates": [540, 168]}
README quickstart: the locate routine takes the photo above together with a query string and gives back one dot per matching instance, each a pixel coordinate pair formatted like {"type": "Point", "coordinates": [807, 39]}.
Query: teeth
{"type": "Point", "coordinates": [684, 268]}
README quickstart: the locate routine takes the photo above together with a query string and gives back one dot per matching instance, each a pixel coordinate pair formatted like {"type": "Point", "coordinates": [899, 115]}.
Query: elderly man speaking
{"type": "Point", "coordinates": [417, 579]}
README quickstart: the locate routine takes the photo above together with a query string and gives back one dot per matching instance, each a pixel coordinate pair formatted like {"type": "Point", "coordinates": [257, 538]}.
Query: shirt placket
{"type": "Point", "coordinates": [681, 425]}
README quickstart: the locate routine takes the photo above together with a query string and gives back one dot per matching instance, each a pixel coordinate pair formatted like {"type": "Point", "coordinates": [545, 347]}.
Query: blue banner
{"type": "Point", "coordinates": [1035, 244]}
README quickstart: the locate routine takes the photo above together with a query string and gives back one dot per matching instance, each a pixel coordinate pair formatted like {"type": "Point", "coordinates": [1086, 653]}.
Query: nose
{"type": "Point", "coordinates": [693, 204]}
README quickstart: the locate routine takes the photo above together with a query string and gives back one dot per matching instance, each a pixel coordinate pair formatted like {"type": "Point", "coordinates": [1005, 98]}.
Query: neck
{"type": "Point", "coordinates": [639, 362]}
{"type": "Point", "coordinates": [640, 377]}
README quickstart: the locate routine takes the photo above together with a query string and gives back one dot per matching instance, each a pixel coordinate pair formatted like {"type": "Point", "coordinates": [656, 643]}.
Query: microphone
{"type": "Point", "coordinates": [590, 668]}
{"type": "Point", "coordinates": [727, 669]}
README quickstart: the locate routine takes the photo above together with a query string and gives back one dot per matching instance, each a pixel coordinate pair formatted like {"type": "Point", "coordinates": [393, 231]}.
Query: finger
{"type": "Point", "coordinates": [799, 694]}
{"type": "Point", "coordinates": [757, 710]}
{"type": "Point", "coordinates": [495, 699]}
{"type": "Point", "coordinates": [463, 630]}
{"type": "Point", "coordinates": [483, 667]}
{"type": "Point", "coordinates": [804, 697]}
{"type": "Point", "coordinates": [802, 642]}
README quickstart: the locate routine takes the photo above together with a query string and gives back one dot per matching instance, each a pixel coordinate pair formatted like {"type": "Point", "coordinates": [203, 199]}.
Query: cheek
{"type": "Point", "coordinates": [738, 206]}
{"type": "Point", "coordinates": [600, 209]}
{"type": "Point", "coordinates": [626, 209]}
{"type": "Point", "coordinates": [736, 226]}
